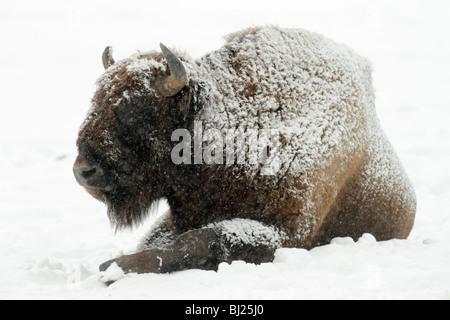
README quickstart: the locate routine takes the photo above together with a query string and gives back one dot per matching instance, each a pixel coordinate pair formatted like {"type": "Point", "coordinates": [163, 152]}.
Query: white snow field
{"type": "Point", "coordinates": [53, 235]}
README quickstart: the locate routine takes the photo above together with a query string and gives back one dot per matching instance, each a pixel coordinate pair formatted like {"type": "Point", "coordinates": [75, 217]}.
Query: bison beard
{"type": "Point", "coordinates": [126, 208]}
{"type": "Point", "coordinates": [339, 175]}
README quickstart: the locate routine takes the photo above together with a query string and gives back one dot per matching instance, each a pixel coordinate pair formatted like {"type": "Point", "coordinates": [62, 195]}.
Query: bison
{"type": "Point", "coordinates": [337, 174]}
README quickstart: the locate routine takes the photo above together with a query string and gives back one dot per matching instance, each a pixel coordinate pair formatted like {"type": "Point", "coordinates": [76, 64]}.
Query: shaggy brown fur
{"type": "Point", "coordinates": [338, 176]}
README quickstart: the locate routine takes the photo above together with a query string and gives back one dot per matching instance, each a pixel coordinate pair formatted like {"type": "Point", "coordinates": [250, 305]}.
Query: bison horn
{"type": "Point", "coordinates": [107, 58]}
{"type": "Point", "coordinates": [172, 84]}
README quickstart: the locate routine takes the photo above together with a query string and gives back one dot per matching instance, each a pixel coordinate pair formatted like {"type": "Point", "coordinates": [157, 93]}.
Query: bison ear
{"type": "Point", "coordinates": [191, 100]}
{"type": "Point", "coordinates": [198, 96]}
{"type": "Point", "coordinates": [107, 58]}
{"type": "Point", "coordinates": [172, 84]}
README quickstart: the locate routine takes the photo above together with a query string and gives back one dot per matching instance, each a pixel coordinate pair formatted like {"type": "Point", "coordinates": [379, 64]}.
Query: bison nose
{"type": "Point", "coordinates": [85, 174]}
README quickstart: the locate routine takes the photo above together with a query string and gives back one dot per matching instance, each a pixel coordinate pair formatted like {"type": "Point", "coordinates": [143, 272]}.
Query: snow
{"type": "Point", "coordinates": [247, 231]}
{"type": "Point", "coordinates": [54, 235]}
{"type": "Point", "coordinates": [277, 66]}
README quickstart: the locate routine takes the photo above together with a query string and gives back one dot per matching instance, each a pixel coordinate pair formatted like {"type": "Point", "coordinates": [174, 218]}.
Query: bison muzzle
{"type": "Point", "coordinates": [337, 174]}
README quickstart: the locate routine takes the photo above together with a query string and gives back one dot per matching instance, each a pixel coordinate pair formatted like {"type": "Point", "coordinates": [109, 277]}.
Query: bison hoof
{"type": "Point", "coordinates": [105, 265]}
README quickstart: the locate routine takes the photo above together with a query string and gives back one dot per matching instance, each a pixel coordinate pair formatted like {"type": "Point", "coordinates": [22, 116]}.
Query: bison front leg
{"type": "Point", "coordinates": [206, 248]}
{"type": "Point", "coordinates": [193, 249]}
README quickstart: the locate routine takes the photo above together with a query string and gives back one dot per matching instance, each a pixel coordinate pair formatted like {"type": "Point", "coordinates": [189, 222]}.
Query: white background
{"type": "Point", "coordinates": [53, 235]}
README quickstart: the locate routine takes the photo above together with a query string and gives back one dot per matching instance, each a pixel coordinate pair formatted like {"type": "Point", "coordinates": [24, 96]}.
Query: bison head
{"type": "Point", "coordinates": [124, 143]}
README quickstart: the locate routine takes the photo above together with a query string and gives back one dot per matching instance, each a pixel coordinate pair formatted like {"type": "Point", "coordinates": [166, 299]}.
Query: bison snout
{"type": "Point", "coordinates": [87, 175]}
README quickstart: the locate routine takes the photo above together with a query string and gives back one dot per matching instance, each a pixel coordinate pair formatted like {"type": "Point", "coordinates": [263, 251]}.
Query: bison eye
{"type": "Point", "coordinates": [134, 121]}
{"type": "Point", "coordinates": [125, 113]}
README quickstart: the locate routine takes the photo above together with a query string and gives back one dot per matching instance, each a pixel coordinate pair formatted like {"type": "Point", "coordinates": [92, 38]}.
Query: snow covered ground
{"type": "Point", "coordinates": [53, 235]}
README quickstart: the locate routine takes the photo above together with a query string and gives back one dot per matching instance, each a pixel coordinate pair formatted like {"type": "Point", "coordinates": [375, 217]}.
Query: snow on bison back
{"type": "Point", "coordinates": [164, 125]}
